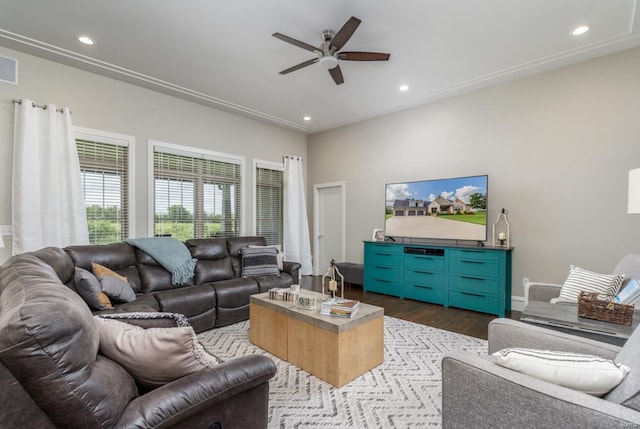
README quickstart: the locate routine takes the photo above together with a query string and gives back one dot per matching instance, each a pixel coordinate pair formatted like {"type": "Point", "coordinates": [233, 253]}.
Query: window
{"type": "Point", "coordinates": [196, 195]}
{"type": "Point", "coordinates": [268, 194]}
{"type": "Point", "coordinates": [104, 167]}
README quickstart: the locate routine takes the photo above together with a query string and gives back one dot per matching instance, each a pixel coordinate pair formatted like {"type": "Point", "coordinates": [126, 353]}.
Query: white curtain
{"type": "Point", "coordinates": [296, 226]}
{"type": "Point", "coordinates": [47, 202]}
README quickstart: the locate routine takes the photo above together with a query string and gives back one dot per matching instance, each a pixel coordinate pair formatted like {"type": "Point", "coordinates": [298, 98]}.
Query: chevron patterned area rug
{"type": "Point", "coordinates": [403, 392]}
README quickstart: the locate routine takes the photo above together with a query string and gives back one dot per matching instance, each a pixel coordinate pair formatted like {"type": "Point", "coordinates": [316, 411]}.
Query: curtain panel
{"type": "Point", "coordinates": [47, 203]}
{"type": "Point", "coordinates": [297, 247]}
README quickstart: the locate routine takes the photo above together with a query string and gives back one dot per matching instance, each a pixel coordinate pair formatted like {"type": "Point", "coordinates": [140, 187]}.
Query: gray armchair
{"type": "Point", "coordinates": [537, 291]}
{"type": "Point", "coordinates": [477, 393]}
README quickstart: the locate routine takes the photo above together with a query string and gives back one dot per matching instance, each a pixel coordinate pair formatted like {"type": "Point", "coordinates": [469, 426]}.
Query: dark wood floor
{"type": "Point", "coordinates": [452, 319]}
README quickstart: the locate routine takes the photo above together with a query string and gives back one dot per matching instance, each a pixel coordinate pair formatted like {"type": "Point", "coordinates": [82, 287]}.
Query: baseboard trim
{"type": "Point", "coordinates": [517, 303]}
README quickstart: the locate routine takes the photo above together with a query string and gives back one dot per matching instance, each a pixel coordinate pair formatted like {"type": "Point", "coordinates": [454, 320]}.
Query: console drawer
{"type": "Point", "coordinates": [474, 284]}
{"type": "Point", "coordinates": [382, 286]}
{"type": "Point", "coordinates": [476, 302]}
{"type": "Point", "coordinates": [424, 262]}
{"type": "Point", "coordinates": [382, 272]}
{"type": "Point", "coordinates": [474, 268]}
{"type": "Point", "coordinates": [424, 293]}
{"type": "Point", "coordinates": [474, 254]}
{"type": "Point", "coordinates": [424, 277]}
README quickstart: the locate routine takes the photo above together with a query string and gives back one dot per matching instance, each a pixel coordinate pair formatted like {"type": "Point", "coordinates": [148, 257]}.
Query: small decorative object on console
{"type": "Point", "coordinates": [333, 283]}
{"type": "Point", "coordinates": [502, 230]}
{"type": "Point", "coordinates": [591, 307]}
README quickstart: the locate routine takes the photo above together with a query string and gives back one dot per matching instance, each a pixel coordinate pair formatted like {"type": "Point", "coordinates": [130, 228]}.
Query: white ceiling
{"type": "Point", "coordinates": [222, 54]}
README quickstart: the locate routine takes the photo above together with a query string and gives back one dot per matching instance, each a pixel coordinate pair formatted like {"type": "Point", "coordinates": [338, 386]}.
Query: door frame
{"type": "Point", "coordinates": [316, 221]}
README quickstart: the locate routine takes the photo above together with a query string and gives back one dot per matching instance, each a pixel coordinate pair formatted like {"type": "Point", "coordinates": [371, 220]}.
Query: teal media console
{"type": "Point", "coordinates": [474, 278]}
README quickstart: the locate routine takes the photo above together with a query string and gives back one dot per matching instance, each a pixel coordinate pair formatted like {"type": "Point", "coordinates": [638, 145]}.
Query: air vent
{"type": "Point", "coordinates": [8, 70]}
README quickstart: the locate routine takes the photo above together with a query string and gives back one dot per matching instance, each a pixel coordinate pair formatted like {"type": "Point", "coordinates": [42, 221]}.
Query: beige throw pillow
{"type": "Point", "coordinates": [153, 356]}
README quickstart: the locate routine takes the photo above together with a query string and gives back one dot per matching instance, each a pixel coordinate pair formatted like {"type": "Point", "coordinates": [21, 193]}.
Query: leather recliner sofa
{"type": "Point", "coordinates": [53, 376]}
{"type": "Point", "coordinates": [216, 296]}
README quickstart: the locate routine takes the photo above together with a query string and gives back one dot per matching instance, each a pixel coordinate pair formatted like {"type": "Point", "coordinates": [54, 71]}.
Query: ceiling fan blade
{"type": "Point", "coordinates": [299, 66]}
{"type": "Point", "coordinates": [336, 74]}
{"type": "Point", "coordinates": [297, 43]}
{"type": "Point", "coordinates": [363, 56]}
{"type": "Point", "coordinates": [345, 33]}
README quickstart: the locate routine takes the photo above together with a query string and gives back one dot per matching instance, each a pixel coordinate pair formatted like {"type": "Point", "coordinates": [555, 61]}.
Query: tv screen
{"type": "Point", "coordinates": [444, 209]}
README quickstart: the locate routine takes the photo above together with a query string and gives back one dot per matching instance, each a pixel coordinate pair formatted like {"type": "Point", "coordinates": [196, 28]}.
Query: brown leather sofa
{"type": "Point", "coordinates": [52, 374]}
{"type": "Point", "coordinates": [216, 296]}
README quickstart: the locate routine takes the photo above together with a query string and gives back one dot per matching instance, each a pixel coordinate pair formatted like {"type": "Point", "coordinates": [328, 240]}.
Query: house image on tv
{"type": "Point", "coordinates": [420, 207]}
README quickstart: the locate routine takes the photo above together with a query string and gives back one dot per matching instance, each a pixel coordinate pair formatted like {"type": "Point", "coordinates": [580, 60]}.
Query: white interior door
{"type": "Point", "coordinates": [329, 225]}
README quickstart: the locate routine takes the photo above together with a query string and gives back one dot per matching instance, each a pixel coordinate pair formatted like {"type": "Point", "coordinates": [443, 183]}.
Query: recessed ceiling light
{"type": "Point", "coordinates": [307, 118]}
{"type": "Point", "coordinates": [404, 88]}
{"type": "Point", "coordinates": [580, 30]}
{"type": "Point", "coordinates": [86, 40]}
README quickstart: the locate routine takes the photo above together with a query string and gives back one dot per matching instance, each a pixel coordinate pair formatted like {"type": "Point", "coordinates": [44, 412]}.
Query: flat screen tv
{"type": "Point", "coordinates": [441, 209]}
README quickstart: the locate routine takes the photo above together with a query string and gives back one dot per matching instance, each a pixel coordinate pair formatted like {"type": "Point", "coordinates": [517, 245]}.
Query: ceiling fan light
{"type": "Point", "coordinates": [328, 62]}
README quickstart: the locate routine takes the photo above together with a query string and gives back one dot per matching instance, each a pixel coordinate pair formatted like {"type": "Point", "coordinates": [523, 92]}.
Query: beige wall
{"type": "Point", "coordinates": [556, 146]}
{"type": "Point", "coordinates": [109, 105]}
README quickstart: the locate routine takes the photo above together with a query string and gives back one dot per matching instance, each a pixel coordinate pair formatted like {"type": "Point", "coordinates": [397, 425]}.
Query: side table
{"type": "Point", "coordinates": [564, 317]}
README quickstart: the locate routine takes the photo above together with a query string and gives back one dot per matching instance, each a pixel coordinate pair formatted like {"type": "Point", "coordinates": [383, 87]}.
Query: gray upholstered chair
{"type": "Point", "coordinates": [536, 291]}
{"type": "Point", "coordinates": [478, 393]}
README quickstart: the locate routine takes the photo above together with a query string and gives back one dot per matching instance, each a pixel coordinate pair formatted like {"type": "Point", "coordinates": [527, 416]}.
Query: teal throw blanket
{"type": "Point", "coordinates": [171, 253]}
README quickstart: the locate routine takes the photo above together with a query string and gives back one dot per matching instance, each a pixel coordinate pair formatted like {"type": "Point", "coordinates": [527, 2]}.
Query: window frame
{"type": "Point", "coordinates": [128, 141]}
{"type": "Point", "coordinates": [268, 165]}
{"type": "Point", "coordinates": [154, 146]}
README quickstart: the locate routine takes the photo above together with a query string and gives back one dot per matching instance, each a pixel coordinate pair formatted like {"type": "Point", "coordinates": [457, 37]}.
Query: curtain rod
{"type": "Point", "coordinates": [293, 157]}
{"type": "Point", "coordinates": [42, 106]}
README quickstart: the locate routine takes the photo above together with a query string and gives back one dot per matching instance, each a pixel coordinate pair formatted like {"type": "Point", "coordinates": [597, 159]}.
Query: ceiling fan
{"type": "Point", "coordinates": [328, 52]}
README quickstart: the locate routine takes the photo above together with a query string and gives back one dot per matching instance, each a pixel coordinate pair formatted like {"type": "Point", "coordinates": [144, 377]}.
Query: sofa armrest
{"type": "Point", "coordinates": [293, 269]}
{"type": "Point", "coordinates": [207, 396]}
{"type": "Point", "coordinates": [537, 291]}
{"type": "Point", "coordinates": [149, 319]}
{"type": "Point", "coordinates": [504, 333]}
{"type": "Point", "coordinates": [477, 393]}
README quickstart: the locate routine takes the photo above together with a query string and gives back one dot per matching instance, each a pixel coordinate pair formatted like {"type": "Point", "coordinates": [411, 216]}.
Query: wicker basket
{"type": "Point", "coordinates": [591, 307]}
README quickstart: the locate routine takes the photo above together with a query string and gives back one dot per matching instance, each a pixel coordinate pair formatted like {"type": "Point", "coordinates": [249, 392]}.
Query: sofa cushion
{"type": "Point", "coordinates": [113, 284]}
{"type": "Point", "coordinates": [235, 292]}
{"type": "Point", "coordinates": [190, 300]}
{"type": "Point", "coordinates": [579, 279]}
{"type": "Point", "coordinates": [139, 351]}
{"type": "Point", "coordinates": [88, 287]}
{"type": "Point", "coordinates": [259, 261]}
{"type": "Point", "coordinates": [119, 257]}
{"type": "Point", "coordinates": [284, 280]}
{"type": "Point", "coordinates": [585, 373]}
{"type": "Point", "coordinates": [214, 263]}
{"type": "Point", "coordinates": [47, 333]}
{"type": "Point", "coordinates": [236, 244]}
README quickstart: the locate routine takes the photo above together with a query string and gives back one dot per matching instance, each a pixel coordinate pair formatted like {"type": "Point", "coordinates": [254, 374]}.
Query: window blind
{"type": "Point", "coordinates": [105, 181]}
{"type": "Point", "coordinates": [195, 197]}
{"type": "Point", "coordinates": [269, 220]}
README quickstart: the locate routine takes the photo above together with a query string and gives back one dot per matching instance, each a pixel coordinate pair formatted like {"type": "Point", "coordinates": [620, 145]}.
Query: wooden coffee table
{"type": "Point", "coordinates": [334, 349]}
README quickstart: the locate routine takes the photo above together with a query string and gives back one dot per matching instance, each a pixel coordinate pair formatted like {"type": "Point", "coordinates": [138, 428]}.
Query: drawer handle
{"type": "Point", "coordinates": [423, 287]}
{"type": "Point", "coordinates": [472, 262]}
{"type": "Point", "coordinates": [423, 272]}
{"type": "Point", "coordinates": [471, 251]}
{"type": "Point", "coordinates": [382, 281]}
{"type": "Point", "coordinates": [472, 294]}
{"type": "Point", "coordinates": [383, 268]}
{"type": "Point", "coordinates": [383, 254]}
{"type": "Point", "coordinates": [474, 278]}
{"type": "Point", "coordinates": [423, 257]}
